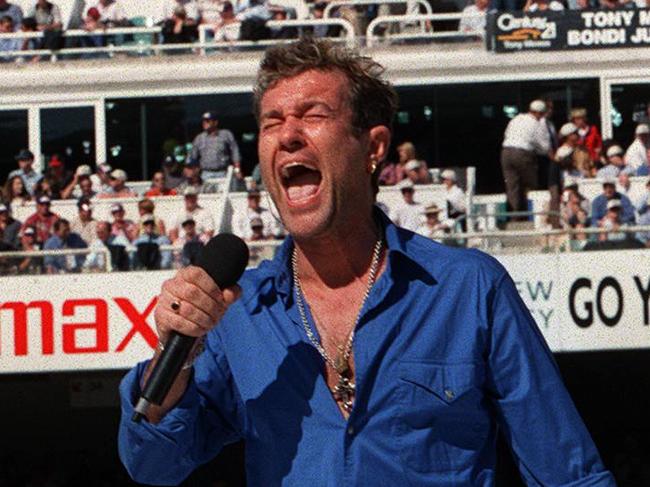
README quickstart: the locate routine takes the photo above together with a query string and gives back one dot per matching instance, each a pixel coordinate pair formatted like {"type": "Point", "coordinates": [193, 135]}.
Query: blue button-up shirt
{"type": "Point", "coordinates": [445, 352]}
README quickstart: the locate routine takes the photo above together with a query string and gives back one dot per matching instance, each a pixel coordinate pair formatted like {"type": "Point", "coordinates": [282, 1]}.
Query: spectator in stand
{"type": "Point", "coordinates": [473, 18]}
{"type": "Point", "coordinates": [179, 29]}
{"type": "Point", "coordinates": [189, 7]}
{"type": "Point", "coordinates": [599, 204]}
{"type": "Point", "coordinates": [190, 243]}
{"type": "Point", "coordinates": [394, 173]}
{"type": "Point", "coordinates": [159, 186]}
{"type": "Point", "coordinates": [25, 159]}
{"type": "Point", "coordinates": [417, 172]}
{"type": "Point", "coordinates": [254, 210]}
{"type": "Point", "coordinates": [543, 6]}
{"type": "Point", "coordinates": [149, 235]}
{"type": "Point", "coordinates": [61, 239]}
{"type": "Point", "coordinates": [8, 45]}
{"type": "Point", "coordinates": [574, 214]}
{"type": "Point", "coordinates": [409, 213]}
{"type": "Point", "coordinates": [317, 13]}
{"type": "Point", "coordinates": [147, 207]}
{"type": "Point", "coordinates": [92, 23]}
{"type": "Point", "coordinates": [433, 227]}
{"type": "Point", "coordinates": [210, 11]}
{"type": "Point", "coordinates": [102, 178]}
{"type": "Point", "coordinates": [96, 259]}
{"type": "Point", "coordinates": [580, 163]}
{"type": "Point", "coordinates": [81, 186]}
{"type": "Point", "coordinates": [118, 188]}
{"type": "Point", "coordinates": [111, 13]}
{"type": "Point", "coordinates": [45, 188]}
{"type": "Point", "coordinates": [47, 16]}
{"type": "Point", "coordinates": [226, 27]}
{"type": "Point", "coordinates": [84, 224]}
{"type": "Point", "coordinates": [525, 138]}
{"type": "Point", "coordinates": [454, 197]}
{"type": "Point", "coordinates": [173, 167]}
{"type": "Point", "coordinates": [256, 230]}
{"type": "Point", "coordinates": [636, 156]}
{"type": "Point", "coordinates": [215, 149]}
{"type": "Point", "coordinates": [193, 179]}
{"type": "Point", "coordinates": [12, 11]}
{"type": "Point", "coordinates": [122, 226]}
{"type": "Point", "coordinates": [643, 209]}
{"type": "Point", "coordinates": [613, 222]}
{"type": "Point", "coordinates": [42, 220]}
{"type": "Point", "coordinates": [10, 227]}
{"type": "Point", "coordinates": [280, 13]}
{"type": "Point", "coordinates": [14, 194]}
{"type": "Point", "coordinates": [201, 216]}
{"type": "Point", "coordinates": [589, 135]}
{"type": "Point", "coordinates": [615, 163]}
{"type": "Point", "coordinates": [29, 265]}
{"type": "Point", "coordinates": [58, 175]}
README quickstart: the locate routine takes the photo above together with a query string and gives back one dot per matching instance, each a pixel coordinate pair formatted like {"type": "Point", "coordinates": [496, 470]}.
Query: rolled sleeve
{"type": "Point", "coordinates": [549, 440]}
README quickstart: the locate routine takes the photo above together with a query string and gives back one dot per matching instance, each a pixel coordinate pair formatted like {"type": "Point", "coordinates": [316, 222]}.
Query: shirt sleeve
{"type": "Point", "coordinates": [550, 443]}
{"type": "Point", "coordinates": [234, 148]}
{"type": "Point", "coordinates": [192, 433]}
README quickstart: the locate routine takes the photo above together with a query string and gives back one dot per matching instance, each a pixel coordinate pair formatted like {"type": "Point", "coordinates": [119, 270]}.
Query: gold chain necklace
{"type": "Point", "coordinates": [343, 391]}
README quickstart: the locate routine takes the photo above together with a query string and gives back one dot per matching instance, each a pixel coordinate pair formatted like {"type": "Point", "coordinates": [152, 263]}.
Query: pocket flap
{"type": "Point", "coordinates": [447, 381]}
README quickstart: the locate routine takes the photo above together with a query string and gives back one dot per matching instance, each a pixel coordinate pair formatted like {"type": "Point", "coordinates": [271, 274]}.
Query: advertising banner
{"type": "Point", "coordinates": [580, 301]}
{"type": "Point", "coordinates": [568, 29]}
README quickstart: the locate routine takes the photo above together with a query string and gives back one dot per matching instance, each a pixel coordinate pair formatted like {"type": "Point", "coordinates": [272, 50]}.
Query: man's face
{"type": "Point", "coordinates": [573, 139]}
{"type": "Point", "coordinates": [191, 172]}
{"type": "Point", "coordinates": [116, 184]}
{"type": "Point", "coordinates": [148, 228]}
{"type": "Point", "coordinates": [191, 202]}
{"type": "Point", "coordinates": [254, 202]}
{"type": "Point", "coordinates": [209, 125]}
{"type": "Point", "coordinates": [616, 161]}
{"type": "Point", "coordinates": [85, 215]}
{"type": "Point", "coordinates": [190, 229]}
{"type": "Point", "coordinates": [407, 194]}
{"type": "Point", "coordinates": [580, 122]}
{"type": "Point", "coordinates": [609, 190]}
{"type": "Point", "coordinates": [27, 240]}
{"type": "Point", "coordinates": [64, 231]}
{"type": "Point", "coordinates": [313, 162]}
{"type": "Point", "coordinates": [43, 208]}
{"type": "Point", "coordinates": [103, 231]}
{"type": "Point", "coordinates": [159, 180]}
{"type": "Point", "coordinates": [118, 215]}
{"type": "Point", "coordinates": [25, 164]}
{"type": "Point", "coordinates": [86, 186]}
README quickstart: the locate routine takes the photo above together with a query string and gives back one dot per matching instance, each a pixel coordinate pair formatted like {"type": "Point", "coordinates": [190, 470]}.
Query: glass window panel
{"type": "Point", "coordinates": [14, 134]}
{"type": "Point", "coordinates": [630, 106]}
{"type": "Point", "coordinates": [68, 132]}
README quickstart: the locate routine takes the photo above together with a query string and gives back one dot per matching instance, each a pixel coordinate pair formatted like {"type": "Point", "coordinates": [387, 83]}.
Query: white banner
{"type": "Point", "coordinates": [580, 301]}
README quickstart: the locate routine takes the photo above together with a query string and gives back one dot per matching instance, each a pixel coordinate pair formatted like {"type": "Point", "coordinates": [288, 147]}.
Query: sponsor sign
{"type": "Point", "coordinates": [580, 301]}
{"type": "Point", "coordinates": [568, 29]}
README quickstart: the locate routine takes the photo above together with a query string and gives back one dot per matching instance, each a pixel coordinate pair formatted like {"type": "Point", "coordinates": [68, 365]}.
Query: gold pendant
{"type": "Point", "coordinates": [344, 393]}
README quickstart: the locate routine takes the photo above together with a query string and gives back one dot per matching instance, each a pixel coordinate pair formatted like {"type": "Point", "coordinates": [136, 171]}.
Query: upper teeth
{"type": "Point", "coordinates": [285, 168]}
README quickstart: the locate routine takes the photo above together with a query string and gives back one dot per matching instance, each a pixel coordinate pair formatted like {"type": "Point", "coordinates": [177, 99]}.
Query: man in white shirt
{"type": "Point", "coordinates": [112, 13]}
{"type": "Point", "coordinates": [525, 138]}
{"type": "Point", "coordinates": [409, 214]}
{"type": "Point", "coordinates": [201, 216]}
{"type": "Point", "coordinates": [472, 21]}
{"type": "Point", "coordinates": [636, 155]}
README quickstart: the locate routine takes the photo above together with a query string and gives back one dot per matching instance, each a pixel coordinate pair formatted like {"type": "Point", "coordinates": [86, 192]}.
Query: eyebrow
{"type": "Point", "coordinates": [301, 108]}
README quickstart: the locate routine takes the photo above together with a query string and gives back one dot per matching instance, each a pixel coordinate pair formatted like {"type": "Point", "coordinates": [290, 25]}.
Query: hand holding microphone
{"type": "Point", "coordinates": [190, 305]}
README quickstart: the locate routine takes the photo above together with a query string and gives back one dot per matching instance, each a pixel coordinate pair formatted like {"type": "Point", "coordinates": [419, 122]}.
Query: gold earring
{"type": "Point", "coordinates": [373, 166]}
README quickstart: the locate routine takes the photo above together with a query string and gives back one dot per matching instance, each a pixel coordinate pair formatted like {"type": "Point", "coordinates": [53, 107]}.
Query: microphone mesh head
{"type": "Point", "coordinates": [224, 258]}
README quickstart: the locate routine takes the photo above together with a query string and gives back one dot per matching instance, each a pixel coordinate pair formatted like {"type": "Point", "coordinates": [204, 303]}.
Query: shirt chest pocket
{"type": "Point", "coordinates": [442, 423]}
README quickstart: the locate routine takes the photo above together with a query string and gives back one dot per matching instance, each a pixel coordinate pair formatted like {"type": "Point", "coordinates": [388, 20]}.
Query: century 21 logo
{"type": "Point", "coordinates": [525, 28]}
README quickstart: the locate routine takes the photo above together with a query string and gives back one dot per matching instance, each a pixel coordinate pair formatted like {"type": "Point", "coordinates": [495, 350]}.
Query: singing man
{"type": "Point", "coordinates": [363, 354]}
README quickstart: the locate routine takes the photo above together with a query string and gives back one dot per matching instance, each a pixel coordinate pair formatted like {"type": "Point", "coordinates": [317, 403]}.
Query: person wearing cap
{"type": "Point", "coordinates": [189, 244]}
{"type": "Point", "coordinates": [201, 216]}
{"type": "Point", "coordinates": [417, 172]}
{"type": "Point", "coordinates": [84, 224]}
{"type": "Point", "coordinates": [615, 163]}
{"type": "Point", "coordinates": [579, 163]}
{"type": "Point", "coordinates": [29, 265]}
{"type": "Point", "coordinates": [25, 160]}
{"type": "Point", "coordinates": [96, 258]}
{"type": "Point", "coordinates": [525, 138]}
{"type": "Point", "coordinates": [192, 178]}
{"type": "Point", "coordinates": [42, 220]}
{"type": "Point", "coordinates": [62, 238]}
{"type": "Point", "coordinates": [409, 213]}
{"type": "Point", "coordinates": [589, 135]}
{"type": "Point", "coordinates": [242, 226]}
{"type": "Point", "coordinates": [455, 198]}
{"type": "Point", "coordinates": [121, 225]}
{"type": "Point", "coordinates": [118, 187]}
{"type": "Point", "coordinates": [101, 178]}
{"type": "Point", "coordinates": [636, 155]}
{"type": "Point", "coordinates": [599, 204]}
{"type": "Point", "coordinates": [10, 227]}
{"type": "Point", "coordinates": [159, 186]}
{"type": "Point", "coordinates": [433, 227]}
{"type": "Point", "coordinates": [613, 222]}
{"type": "Point", "coordinates": [215, 149]}
{"type": "Point", "coordinates": [81, 185]}
{"type": "Point", "coordinates": [149, 234]}
{"type": "Point", "coordinates": [58, 175]}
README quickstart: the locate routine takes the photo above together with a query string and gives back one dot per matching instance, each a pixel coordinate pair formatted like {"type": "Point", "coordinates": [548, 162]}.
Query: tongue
{"type": "Point", "coordinates": [303, 186]}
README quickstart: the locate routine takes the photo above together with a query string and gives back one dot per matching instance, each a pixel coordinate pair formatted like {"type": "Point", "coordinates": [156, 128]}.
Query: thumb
{"type": "Point", "coordinates": [231, 294]}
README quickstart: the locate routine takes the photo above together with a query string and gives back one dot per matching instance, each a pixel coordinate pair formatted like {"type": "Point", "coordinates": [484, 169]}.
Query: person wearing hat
{"type": "Point", "coordinates": [417, 172]}
{"type": "Point", "coordinates": [81, 186]}
{"type": "Point", "coordinates": [615, 163]}
{"type": "Point", "coordinates": [9, 226]}
{"type": "Point", "coordinates": [42, 219]}
{"type": "Point", "coordinates": [192, 178]}
{"type": "Point", "coordinates": [201, 216]}
{"type": "Point", "coordinates": [149, 235]}
{"type": "Point", "coordinates": [84, 224]}
{"type": "Point", "coordinates": [525, 138]}
{"type": "Point", "coordinates": [25, 160]}
{"type": "Point", "coordinates": [599, 204]}
{"type": "Point", "coordinates": [455, 198]}
{"type": "Point", "coordinates": [433, 227]}
{"type": "Point", "coordinates": [409, 213]}
{"type": "Point", "coordinates": [242, 224]}
{"type": "Point", "coordinates": [612, 222]}
{"type": "Point", "coordinates": [101, 178]}
{"type": "Point", "coordinates": [215, 149]}
{"type": "Point", "coordinates": [118, 187]}
{"type": "Point", "coordinates": [58, 175]}
{"type": "Point", "coordinates": [636, 155]}
{"type": "Point", "coordinates": [589, 135]}
{"type": "Point", "coordinates": [579, 164]}
{"type": "Point", "coordinates": [122, 226]}
{"type": "Point", "coordinates": [29, 265]}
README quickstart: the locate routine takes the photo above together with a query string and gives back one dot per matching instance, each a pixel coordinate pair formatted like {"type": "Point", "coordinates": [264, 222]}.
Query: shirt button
{"type": "Point", "coordinates": [449, 394]}
{"type": "Point", "coordinates": [350, 430]}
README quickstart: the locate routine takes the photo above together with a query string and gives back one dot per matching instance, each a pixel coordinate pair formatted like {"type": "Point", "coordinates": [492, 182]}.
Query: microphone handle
{"type": "Point", "coordinates": [170, 362]}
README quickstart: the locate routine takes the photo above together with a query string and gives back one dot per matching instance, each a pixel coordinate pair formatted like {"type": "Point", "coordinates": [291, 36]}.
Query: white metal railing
{"type": "Point", "coordinates": [343, 3]}
{"type": "Point", "coordinates": [371, 37]}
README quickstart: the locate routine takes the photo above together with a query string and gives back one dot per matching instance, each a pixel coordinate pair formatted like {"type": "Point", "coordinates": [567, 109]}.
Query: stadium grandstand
{"type": "Point", "coordinates": [128, 140]}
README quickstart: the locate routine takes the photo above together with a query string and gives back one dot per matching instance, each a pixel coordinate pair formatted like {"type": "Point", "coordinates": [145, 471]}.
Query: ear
{"type": "Point", "coordinates": [378, 141]}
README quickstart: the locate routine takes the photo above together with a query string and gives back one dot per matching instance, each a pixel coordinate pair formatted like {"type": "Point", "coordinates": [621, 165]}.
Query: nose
{"type": "Point", "coordinates": [291, 135]}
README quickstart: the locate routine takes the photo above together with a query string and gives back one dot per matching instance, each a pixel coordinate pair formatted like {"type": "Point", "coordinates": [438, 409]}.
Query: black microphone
{"type": "Point", "coordinates": [224, 258]}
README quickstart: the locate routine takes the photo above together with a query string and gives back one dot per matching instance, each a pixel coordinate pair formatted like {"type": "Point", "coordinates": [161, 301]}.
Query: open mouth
{"type": "Point", "coordinates": [300, 181]}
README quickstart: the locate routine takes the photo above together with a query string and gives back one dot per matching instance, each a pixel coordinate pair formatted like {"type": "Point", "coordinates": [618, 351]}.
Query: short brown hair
{"type": "Point", "coordinates": [373, 100]}
{"type": "Point", "coordinates": [146, 205]}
